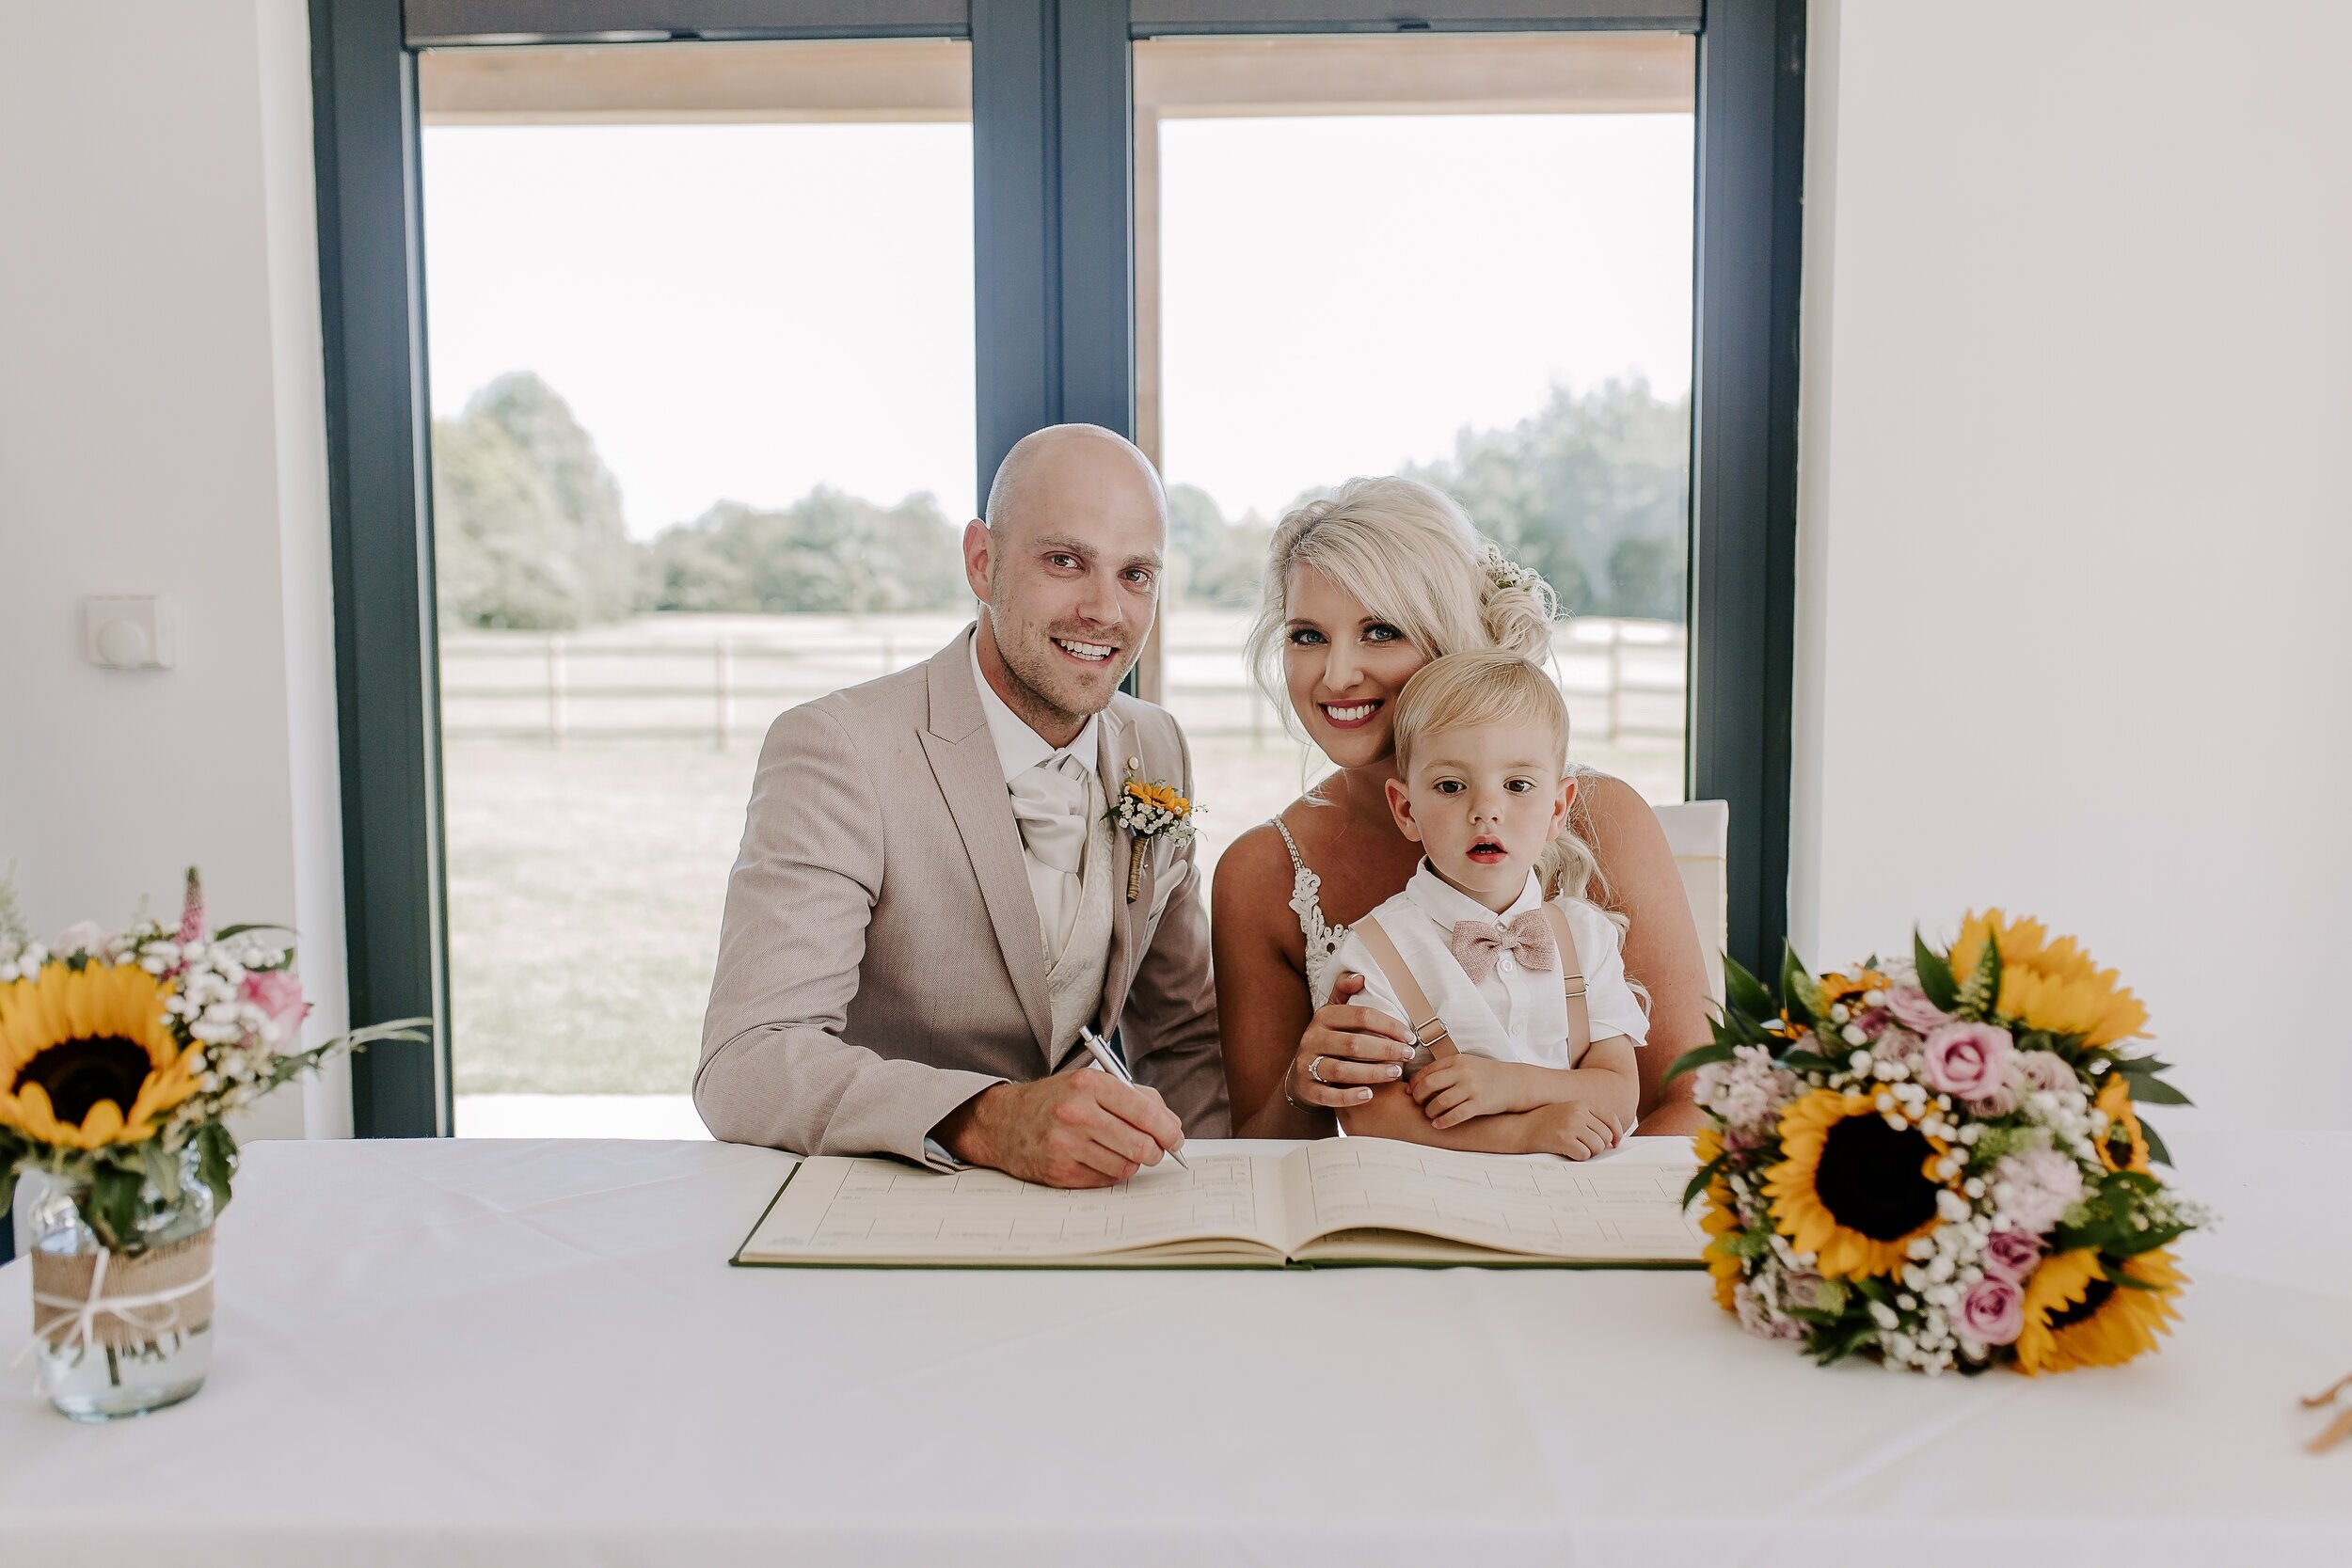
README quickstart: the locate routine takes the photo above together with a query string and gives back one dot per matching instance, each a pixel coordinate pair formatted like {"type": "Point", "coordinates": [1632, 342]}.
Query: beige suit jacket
{"type": "Point", "coordinates": [879, 964]}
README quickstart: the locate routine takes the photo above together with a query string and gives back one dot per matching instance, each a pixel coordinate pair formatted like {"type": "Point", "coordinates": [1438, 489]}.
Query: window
{"type": "Point", "coordinates": [1279, 243]}
{"type": "Point", "coordinates": [1466, 257]}
{"type": "Point", "coordinates": [701, 365]}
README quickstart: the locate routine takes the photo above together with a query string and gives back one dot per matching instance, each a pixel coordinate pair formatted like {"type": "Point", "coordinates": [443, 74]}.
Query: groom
{"type": "Point", "coordinates": [930, 900]}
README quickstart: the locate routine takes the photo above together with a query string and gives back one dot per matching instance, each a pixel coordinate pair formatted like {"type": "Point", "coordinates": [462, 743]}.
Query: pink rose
{"type": "Point", "coordinates": [2011, 1254]}
{"type": "Point", "coordinates": [2046, 1069]}
{"type": "Point", "coordinates": [1898, 1045]}
{"type": "Point", "coordinates": [1995, 1103]}
{"type": "Point", "coordinates": [277, 993]}
{"type": "Point", "coordinates": [1913, 1010]}
{"type": "Point", "coordinates": [1993, 1312]}
{"type": "Point", "coordinates": [1965, 1059]}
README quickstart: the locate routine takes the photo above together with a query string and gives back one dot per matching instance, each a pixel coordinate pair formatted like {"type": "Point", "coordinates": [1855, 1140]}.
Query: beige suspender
{"type": "Point", "coordinates": [1572, 980]}
{"type": "Point", "coordinates": [1429, 1029]}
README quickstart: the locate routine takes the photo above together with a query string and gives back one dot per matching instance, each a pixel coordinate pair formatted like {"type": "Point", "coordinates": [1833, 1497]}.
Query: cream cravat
{"type": "Point", "coordinates": [1049, 805]}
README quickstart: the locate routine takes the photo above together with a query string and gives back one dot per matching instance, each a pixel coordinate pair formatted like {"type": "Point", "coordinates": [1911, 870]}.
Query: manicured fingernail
{"type": "Point", "coordinates": [1361, 1095]}
{"type": "Point", "coordinates": [1396, 1072]}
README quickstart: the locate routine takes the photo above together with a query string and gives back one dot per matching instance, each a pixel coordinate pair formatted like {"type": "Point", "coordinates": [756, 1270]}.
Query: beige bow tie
{"type": "Point", "coordinates": [1528, 938]}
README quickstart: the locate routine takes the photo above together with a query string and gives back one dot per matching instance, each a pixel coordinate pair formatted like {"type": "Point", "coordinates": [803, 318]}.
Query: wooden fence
{"type": "Point", "coordinates": [1624, 680]}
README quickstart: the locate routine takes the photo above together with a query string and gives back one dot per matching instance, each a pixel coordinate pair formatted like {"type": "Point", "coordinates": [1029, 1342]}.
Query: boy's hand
{"type": "Point", "coordinates": [1453, 1089]}
{"type": "Point", "coordinates": [1578, 1132]}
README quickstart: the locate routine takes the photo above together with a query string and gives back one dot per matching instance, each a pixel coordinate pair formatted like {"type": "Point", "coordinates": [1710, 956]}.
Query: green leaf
{"type": "Point", "coordinates": [1708, 1172]}
{"type": "Point", "coordinates": [2157, 1150]}
{"type": "Point", "coordinates": [2146, 1067]}
{"type": "Point", "coordinates": [1798, 991]}
{"type": "Point", "coordinates": [1828, 1348]}
{"type": "Point", "coordinates": [2071, 1238]}
{"type": "Point", "coordinates": [1982, 989]}
{"type": "Point", "coordinates": [1704, 1056]}
{"type": "Point", "coordinates": [2131, 1243]}
{"type": "Point", "coordinates": [1935, 975]}
{"type": "Point", "coordinates": [1745, 993]}
{"type": "Point", "coordinates": [114, 1204]}
{"type": "Point", "coordinates": [1806, 1061]}
{"type": "Point", "coordinates": [159, 1168]}
{"type": "Point", "coordinates": [2152, 1091]}
{"type": "Point", "coordinates": [215, 1160]}
{"type": "Point", "coordinates": [1874, 1289]}
{"type": "Point", "coordinates": [228, 931]}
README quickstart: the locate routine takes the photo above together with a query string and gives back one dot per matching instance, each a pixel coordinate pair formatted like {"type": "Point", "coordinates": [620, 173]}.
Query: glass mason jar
{"type": "Point", "coordinates": [120, 1333]}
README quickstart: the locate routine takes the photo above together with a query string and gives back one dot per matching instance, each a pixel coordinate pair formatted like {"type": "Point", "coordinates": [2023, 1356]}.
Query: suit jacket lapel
{"type": "Point", "coordinates": [971, 778]}
{"type": "Point", "coordinates": [1117, 738]}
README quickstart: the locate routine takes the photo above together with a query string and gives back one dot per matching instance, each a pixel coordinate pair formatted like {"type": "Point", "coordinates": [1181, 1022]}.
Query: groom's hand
{"type": "Point", "coordinates": [1072, 1130]}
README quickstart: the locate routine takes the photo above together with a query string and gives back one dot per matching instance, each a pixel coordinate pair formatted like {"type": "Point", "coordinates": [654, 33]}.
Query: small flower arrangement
{"type": "Point", "coordinates": [1149, 811]}
{"type": "Point", "coordinates": [1939, 1164]}
{"type": "Point", "coordinates": [122, 1057]}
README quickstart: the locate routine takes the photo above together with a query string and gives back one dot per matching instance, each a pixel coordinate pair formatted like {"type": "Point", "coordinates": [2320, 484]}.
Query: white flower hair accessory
{"type": "Point", "coordinates": [1504, 572]}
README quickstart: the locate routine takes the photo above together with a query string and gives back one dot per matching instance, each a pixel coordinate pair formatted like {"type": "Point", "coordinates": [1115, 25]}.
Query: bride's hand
{"type": "Point", "coordinates": [1346, 1052]}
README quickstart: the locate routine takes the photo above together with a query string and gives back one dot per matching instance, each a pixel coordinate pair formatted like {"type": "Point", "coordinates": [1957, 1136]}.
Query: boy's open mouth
{"type": "Point", "coordinates": [1487, 852]}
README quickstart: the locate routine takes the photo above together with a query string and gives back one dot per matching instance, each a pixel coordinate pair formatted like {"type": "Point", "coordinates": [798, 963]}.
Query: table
{"type": "Point", "coordinates": [535, 1351]}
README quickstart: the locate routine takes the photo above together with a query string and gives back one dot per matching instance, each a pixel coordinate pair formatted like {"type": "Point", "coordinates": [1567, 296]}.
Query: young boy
{"type": "Point", "coordinates": [1521, 1004]}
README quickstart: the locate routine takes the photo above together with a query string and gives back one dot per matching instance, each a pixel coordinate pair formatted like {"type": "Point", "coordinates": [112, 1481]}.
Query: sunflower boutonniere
{"type": "Point", "coordinates": [1149, 811]}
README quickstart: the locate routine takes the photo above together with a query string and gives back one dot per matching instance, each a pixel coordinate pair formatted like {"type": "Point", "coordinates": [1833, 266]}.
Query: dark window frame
{"type": "Point", "coordinates": [1055, 286]}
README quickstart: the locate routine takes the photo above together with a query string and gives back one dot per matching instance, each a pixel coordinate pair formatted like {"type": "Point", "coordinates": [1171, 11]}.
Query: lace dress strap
{"type": "Point", "coordinates": [1322, 940]}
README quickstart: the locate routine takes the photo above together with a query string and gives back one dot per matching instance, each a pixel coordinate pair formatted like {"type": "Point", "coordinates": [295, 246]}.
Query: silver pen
{"type": "Point", "coordinates": [1108, 1059]}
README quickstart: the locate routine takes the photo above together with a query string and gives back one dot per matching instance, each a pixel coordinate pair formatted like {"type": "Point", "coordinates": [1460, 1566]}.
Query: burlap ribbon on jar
{"type": "Point", "coordinates": [119, 1301]}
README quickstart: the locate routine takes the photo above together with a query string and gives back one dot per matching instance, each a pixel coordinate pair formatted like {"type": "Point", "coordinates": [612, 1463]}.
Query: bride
{"type": "Point", "coordinates": [1361, 590]}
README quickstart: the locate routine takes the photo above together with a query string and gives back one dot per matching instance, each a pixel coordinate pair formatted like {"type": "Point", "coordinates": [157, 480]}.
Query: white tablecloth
{"type": "Point", "coordinates": [514, 1353]}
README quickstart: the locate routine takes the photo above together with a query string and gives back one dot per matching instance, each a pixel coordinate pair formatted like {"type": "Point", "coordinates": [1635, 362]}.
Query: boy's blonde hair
{"type": "Point", "coordinates": [1463, 691]}
{"type": "Point", "coordinates": [1410, 554]}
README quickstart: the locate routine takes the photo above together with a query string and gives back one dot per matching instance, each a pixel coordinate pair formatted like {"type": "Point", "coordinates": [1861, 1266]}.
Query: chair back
{"type": "Point", "coordinates": [1699, 833]}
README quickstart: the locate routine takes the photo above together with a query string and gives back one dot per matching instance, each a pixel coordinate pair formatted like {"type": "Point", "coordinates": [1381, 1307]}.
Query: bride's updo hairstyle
{"type": "Point", "coordinates": [1409, 551]}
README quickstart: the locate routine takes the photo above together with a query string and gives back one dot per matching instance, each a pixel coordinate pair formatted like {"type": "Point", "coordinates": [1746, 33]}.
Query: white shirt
{"type": "Point", "coordinates": [1515, 1014]}
{"type": "Point", "coordinates": [1019, 748]}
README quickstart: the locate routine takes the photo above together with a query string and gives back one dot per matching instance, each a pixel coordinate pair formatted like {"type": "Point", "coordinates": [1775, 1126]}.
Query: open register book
{"type": "Point", "coordinates": [1344, 1201]}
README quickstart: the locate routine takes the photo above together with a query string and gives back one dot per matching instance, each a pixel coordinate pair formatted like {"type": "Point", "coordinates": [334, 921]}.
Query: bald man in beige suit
{"type": "Point", "coordinates": [930, 901]}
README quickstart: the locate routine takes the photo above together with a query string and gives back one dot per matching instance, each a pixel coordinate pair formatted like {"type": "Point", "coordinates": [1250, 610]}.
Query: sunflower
{"type": "Point", "coordinates": [1851, 1190]}
{"type": "Point", "coordinates": [2123, 1130]}
{"type": "Point", "coordinates": [1160, 795]}
{"type": "Point", "coordinates": [86, 1057]}
{"type": "Point", "coordinates": [1839, 987]}
{"type": "Point", "coordinates": [1720, 1220]}
{"type": "Point", "coordinates": [2075, 1316]}
{"type": "Point", "coordinates": [2049, 985]}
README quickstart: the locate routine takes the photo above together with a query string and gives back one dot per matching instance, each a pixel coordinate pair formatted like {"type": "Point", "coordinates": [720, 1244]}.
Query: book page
{"type": "Point", "coordinates": [843, 1211]}
{"type": "Point", "coordinates": [1596, 1212]}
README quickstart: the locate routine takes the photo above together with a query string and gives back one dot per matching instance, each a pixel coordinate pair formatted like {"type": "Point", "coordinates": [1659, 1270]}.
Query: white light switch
{"type": "Point", "coordinates": [133, 632]}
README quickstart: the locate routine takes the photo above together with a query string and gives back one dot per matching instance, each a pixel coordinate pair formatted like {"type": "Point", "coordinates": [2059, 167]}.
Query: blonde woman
{"type": "Point", "coordinates": [1362, 589]}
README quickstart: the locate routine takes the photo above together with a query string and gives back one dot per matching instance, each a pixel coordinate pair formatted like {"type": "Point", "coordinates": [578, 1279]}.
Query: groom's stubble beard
{"type": "Point", "coordinates": [1046, 694]}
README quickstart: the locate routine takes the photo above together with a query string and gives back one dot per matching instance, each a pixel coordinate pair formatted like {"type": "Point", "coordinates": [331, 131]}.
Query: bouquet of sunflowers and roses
{"type": "Point", "coordinates": [122, 1055]}
{"type": "Point", "coordinates": [1940, 1163]}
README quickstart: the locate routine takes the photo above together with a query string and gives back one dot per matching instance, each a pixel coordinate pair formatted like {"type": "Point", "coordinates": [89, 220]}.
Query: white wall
{"type": "Point", "coordinates": [2076, 506]}
{"type": "Point", "coordinates": [162, 429]}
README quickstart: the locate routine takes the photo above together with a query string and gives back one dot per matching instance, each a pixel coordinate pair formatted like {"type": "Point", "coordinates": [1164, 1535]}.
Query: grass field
{"type": "Point", "coordinates": [587, 883]}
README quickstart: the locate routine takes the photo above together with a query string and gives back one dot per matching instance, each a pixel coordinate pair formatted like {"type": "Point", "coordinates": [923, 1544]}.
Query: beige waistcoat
{"type": "Point", "coordinates": [1074, 982]}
